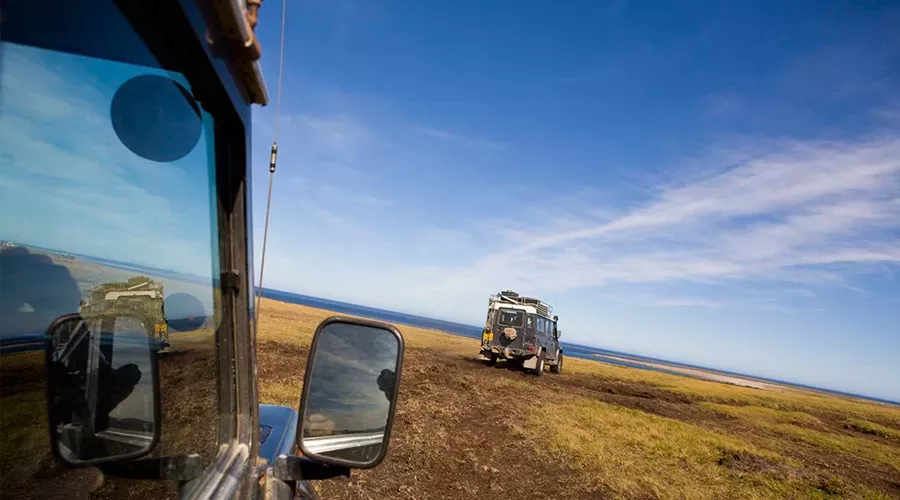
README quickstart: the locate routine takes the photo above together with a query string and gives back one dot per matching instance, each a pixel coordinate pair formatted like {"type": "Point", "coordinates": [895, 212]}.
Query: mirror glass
{"type": "Point", "coordinates": [350, 392]}
{"type": "Point", "coordinates": [102, 392]}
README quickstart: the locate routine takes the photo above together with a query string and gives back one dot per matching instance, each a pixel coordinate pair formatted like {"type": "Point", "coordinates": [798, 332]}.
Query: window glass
{"type": "Point", "coordinates": [512, 317]}
{"type": "Point", "coordinates": [97, 213]}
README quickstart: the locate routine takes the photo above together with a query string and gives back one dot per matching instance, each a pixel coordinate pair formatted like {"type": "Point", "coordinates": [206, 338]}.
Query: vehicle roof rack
{"type": "Point", "coordinates": [511, 297]}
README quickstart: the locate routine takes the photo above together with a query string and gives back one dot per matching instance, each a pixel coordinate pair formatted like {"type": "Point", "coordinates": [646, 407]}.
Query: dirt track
{"type": "Point", "coordinates": [468, 430]}
{"type": "Point", "coordinates": [454, 436]}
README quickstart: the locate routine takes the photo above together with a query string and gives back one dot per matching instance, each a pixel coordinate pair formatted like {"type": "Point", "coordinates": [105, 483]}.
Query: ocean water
{"type": "Point", "coordinates": [471, 331]}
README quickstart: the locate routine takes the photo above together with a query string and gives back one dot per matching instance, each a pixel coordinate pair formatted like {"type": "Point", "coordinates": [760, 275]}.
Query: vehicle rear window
{"type": "Point", "coordinates": [511, 317]}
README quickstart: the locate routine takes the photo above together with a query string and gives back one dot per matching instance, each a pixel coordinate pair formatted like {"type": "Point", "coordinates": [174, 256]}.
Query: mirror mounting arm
{"type": "Point", "coordinates": [294, 468]}
{"type": "Point", "coordinates": [173, 468]}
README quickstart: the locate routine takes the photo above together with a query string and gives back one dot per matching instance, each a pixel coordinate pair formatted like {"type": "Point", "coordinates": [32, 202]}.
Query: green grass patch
{"type": "Point", "coordinates": [840, 443]}
{"type": "Point", "coordinates": [755, 414]}
{"type": "Point", "coordinates": [634, 453]}
{"type": "Point", "coordinates": [873, 429]}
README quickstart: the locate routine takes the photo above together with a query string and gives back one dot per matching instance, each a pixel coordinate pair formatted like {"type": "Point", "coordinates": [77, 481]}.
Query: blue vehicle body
{"type": "Point", "coordinates": [277, 431]}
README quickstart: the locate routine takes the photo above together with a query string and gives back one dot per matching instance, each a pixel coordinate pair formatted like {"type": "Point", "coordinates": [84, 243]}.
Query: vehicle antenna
{"type": "Point", "coordinates": [272, 158]}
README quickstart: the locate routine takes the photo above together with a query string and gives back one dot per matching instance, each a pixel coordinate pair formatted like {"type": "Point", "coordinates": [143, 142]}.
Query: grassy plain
{"type": "Point", "coordinates": [467, 430]}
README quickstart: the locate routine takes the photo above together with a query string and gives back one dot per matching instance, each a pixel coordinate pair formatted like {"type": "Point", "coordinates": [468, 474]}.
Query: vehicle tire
{"type": "Point", "coordinates": [541, 362]}
{"type": "Point", "coordinates": [557, 368]}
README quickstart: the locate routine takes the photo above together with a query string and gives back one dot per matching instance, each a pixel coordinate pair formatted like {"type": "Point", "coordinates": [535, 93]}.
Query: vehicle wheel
{"type": "Point", "coordinates": [557, 368]}
{"type": "Point", "coordinates": [539, 369]}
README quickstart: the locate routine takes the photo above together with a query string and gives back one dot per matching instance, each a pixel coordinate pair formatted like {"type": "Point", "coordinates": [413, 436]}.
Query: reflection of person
{"type": "Point", "coordinates": [34, 292]}
{"type": "Point", "coordinates": [386, 381]}
{"type": "Point", "coordinates": [113, 385]}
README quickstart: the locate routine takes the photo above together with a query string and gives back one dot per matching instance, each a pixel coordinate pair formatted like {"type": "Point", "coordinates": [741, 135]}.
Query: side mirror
{"type": "Point", "coordinates": [350, 392]}
{"type": "Point", "coordinates": [102, 389]}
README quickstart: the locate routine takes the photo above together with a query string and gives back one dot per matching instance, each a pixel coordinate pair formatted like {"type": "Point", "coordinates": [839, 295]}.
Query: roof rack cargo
{"type": "Point", "coordinates": [511, 297]}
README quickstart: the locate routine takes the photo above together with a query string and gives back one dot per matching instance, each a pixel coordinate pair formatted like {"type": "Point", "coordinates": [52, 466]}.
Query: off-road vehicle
{"type": "Point", "coordinates": [523, 331]}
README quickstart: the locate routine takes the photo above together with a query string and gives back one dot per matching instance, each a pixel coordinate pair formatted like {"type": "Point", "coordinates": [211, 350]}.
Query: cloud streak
{"type": "Point", "coordinates": [804, 212]}
{"type": "Point", "coordinates": [463, 140]}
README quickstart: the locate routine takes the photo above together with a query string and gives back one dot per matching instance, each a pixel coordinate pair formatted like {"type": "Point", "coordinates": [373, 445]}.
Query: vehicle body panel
{"type": "Point", "coordinates": [277, 431]}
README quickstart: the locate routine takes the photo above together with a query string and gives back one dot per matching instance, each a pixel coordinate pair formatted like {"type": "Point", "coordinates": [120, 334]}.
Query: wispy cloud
{"type": "Point", "coordinates": [341, 136]}
{"type": "Point", "coordinates": [815, 213]}
{"type": "Point", "coordinates": [686, 302]}
{"type": "Point", "coordinates": [344, 196]}
{"type": "Point", "coordinates": [82, 189]}
{"type": "Point", "coordinates": [458, 138]}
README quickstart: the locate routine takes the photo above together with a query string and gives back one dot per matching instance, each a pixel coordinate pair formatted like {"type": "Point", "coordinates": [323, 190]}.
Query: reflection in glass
{"type": "Point", "coordinates": [139, 296]}
{"type": "Point", "coordinates": [89, 121]}
{"type": "Point", "coordinates": [102, 397]}
{"type": "Point", "coordinates": [351, 384]}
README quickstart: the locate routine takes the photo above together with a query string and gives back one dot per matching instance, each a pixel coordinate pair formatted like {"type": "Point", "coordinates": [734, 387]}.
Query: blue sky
{"type": "Point", "coordinates": [712, 184]}
{"type": "Point", "coordinates": [717, 185]}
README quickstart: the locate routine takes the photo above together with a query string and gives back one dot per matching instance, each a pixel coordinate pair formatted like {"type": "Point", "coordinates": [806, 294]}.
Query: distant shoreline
{"type": "Point", "coordinates": [471, 331]}
{"type": "Point", "coordinates": [698, 373]}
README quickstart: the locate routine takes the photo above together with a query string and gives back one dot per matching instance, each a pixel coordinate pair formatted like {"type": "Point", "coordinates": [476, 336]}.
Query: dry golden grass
{"type": "Point", "coordinates": [608, 430]}
{"type": "Point", "coordinates": [466, 430]}
{"type": "Point", "coordinates": [636, 454]}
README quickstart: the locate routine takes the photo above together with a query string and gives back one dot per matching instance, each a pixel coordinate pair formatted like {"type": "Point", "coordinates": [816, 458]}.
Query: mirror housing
{"type": "Point", "coordinates": [350, 392]}
{"type": "Point", "coordinates": [102, 389]}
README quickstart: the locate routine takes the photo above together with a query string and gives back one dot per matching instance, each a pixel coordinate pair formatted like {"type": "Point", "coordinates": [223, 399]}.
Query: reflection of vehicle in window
{"type": "Point", "coordinates": [140, 296]}
{"type": "Point", "coordinates": [523, 331]}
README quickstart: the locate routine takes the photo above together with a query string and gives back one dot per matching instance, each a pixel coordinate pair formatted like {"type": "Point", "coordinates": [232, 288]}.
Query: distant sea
{"type": "Point", "coordinates": [470, 331]}
{"type": "Point", "coordinates": [570, 349]}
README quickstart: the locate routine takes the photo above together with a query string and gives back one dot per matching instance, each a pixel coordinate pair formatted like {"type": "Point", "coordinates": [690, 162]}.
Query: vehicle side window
{"type": "Point", "coordinates": [115, 222]}
{"type": "Point", "coordinates": [530, 321]}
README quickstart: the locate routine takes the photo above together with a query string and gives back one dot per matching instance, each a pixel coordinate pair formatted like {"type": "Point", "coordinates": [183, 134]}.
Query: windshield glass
{"type": "Point", "coordinates": [511, 317]}
{"type": "Point", "coordinates": [108, 206]}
